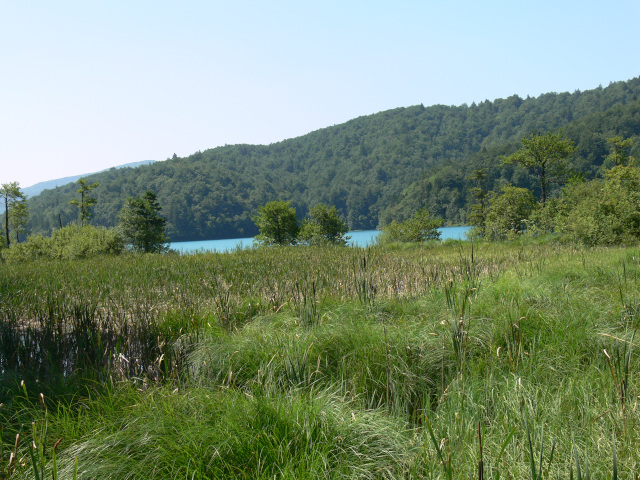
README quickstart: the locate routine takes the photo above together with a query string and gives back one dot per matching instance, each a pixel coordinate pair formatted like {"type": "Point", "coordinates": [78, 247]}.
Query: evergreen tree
{"type": "Point", "coordinates": [15, 210]}
{"type": "Point", "coordinates": [142, 225]}
{"type": "Point", "coordinates": [478, 214]}
{"type": "Point", "coordinates": [19, 219]}
{"type": "Point", "coordinates": [86, 202]}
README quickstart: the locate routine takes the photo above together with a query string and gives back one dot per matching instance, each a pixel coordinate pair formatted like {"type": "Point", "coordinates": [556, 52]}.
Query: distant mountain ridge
{"type": "Point", "coordinates": [374, 168]}
{"type": "Point", "coordinates": [39, 187]}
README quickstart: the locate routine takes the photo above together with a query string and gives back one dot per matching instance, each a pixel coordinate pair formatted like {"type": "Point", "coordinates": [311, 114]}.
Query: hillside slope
{"type": "Point", "coordinates": [373, 168]}
{"type": "Point", "coordinates": [39, 187]}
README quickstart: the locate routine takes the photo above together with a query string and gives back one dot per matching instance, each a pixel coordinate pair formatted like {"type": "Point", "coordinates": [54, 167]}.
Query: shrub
{"type": "Point", "coordinates": [420, 228]}
{"type": "Point", "coordinates": [70, 242]}
{"type": "Point", "coordinates": [277, 223]}
{"type": "Point", "coordinates": [324, 226]}
{"type": "Point", "coordinates": [508, 212]}
{"type": "Point", "coordinates": [603, 212]}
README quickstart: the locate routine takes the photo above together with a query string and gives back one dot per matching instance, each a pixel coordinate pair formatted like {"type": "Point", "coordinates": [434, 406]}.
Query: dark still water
{"type": "Point", "coordinates": [360, 238]}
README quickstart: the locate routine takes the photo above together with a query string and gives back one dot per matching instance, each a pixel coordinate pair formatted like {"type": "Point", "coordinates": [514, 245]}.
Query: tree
{"type": "Point", "coordinates": [508, 211]}
{"type": "Point", "coordinates": [85, 202]}
{"type": "Point", "coordinates": [478, 214]}
{"type": "Point", "coordinates": [544, 155]}
{"type": "Point", "coordinates": [142, 225]}
{"type": "Point", "coordinates": [324, 225]}
{"type": "Point", "coordinates": [277, 223]}
{"type": "Point", "coordinates": [421, 227]}
{"type": "Point", "coordinates": [19, 219]}
{"type": "Point", "coordinates": [603, 211]}
{"type": "Point", "coordinates": [15, 209]}
{"type": "Point", "coordinates": [620, 151]}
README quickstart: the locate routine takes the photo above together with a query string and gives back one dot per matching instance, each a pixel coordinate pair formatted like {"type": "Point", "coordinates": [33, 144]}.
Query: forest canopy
{"type": "Point", "coordinates": [373, 169]}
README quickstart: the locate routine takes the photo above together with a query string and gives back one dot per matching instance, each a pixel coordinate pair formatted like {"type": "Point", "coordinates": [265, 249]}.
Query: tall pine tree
{"type": "Point", "coordinates": [142, 225]}
{"type": "Point", "coordinates": [86, 202]}
{"type": "Point", "coordinates": [15, 209]}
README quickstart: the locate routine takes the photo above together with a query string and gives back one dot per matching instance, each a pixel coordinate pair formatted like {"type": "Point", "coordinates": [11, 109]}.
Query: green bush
{"type": "Point", "coordinates": [603, 212]}
{"type": "Point", "coordinates": [508, 212]}
{"type": "Point", "coordinates": [70, 242]}
{"type": "Point", "coordinates": [324, 226]}
{"type": "Point", "coordinates": [420, 228]}
{"type": "Point", "coordinates": [277, 223]}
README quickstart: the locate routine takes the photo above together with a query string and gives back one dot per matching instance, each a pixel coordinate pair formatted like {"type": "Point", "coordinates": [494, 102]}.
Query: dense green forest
{"type": "Point", "coordinates": [374, 169]}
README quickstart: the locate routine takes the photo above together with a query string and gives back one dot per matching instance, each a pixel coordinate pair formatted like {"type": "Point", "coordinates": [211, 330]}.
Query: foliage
{"type": "Point", "coordinates": [603, 212]}
{"type": "Point", "coordinates": [445, 190]}
{"type": "Point", "coordinates": [374, 169]}
{"type": "Point", "coordinates": [142, 225]}
{"type": "Point", "coordinates": [72, 242]}
{"type": "Point", "coordinates": [323, 225]}
{"type": "Point", "coordinates": [19, 219]}
{"type": "Point", "coordinates": [420, 228]}
{"type": "Point", "coordinates": [508, 212]}
{"type": "Point", "coordinates": [15, 211]}
{"type": "Point", "coordinates": [86, 202]}
{"type": "Point", "coordinates": [620, 154]}
{"type": "Point", "coordinates": [277, 223]}
{"type": "Point", "coordinates": [543, 220]}
{"type": "Point", "coordinates": [478, 214]}
{"type": "Point", "coordinates": [545, 155]}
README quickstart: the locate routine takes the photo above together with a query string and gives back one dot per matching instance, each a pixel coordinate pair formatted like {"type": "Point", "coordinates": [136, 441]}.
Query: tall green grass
{"type": "Point", "coordinates": [325, 363]}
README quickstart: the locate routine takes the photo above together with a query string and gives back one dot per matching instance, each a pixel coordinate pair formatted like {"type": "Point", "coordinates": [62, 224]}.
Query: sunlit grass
{"type": "Point", "coordinates": [326, 363]}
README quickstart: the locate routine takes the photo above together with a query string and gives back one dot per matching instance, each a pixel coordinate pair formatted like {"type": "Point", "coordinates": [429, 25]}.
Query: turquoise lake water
{"type": "Point", "coordinates": [360, 238]}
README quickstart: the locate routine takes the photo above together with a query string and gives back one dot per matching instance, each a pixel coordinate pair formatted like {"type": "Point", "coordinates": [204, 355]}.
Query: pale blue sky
{"type": "Point", "coordinates": [87, 85]}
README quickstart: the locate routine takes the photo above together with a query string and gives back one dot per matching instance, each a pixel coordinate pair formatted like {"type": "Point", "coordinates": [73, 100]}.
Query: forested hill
{"type": "Point", "coordinates": [41, 186]}
{"type": "Point", "coordinates": [373, 168]}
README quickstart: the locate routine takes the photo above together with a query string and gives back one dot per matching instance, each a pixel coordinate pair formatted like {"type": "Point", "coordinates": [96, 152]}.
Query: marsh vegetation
{"type": "Point", "coordinates": [324, 362]}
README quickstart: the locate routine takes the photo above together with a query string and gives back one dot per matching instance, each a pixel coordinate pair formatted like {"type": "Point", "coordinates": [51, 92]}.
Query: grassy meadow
{"type": "Point", "coordinates": [438, 361]}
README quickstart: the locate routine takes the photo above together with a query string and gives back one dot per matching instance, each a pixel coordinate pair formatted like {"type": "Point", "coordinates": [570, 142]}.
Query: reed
{"type": "Point", "coordinates": [453, 361]}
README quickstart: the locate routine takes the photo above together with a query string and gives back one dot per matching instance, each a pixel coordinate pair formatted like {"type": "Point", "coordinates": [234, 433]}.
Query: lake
{"type": "Point", "coordinates": [359, 238]}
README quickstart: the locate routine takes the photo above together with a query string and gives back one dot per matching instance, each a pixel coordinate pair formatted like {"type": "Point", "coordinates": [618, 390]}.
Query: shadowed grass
{"type": "Point", "coordinates": [262, 433]}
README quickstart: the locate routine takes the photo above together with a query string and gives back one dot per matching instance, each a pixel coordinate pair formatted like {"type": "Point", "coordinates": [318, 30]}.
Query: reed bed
{"type": "Point", "coordinates": [123, 314]}
{"type": "Point", "coordinates": [512, 360]}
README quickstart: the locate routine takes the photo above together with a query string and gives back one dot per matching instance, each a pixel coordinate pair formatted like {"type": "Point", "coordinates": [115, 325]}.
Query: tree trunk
{"type": "Point", "coordinates": [6, 219]}
{"type": "Point", "coordinates": [543, 184]}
